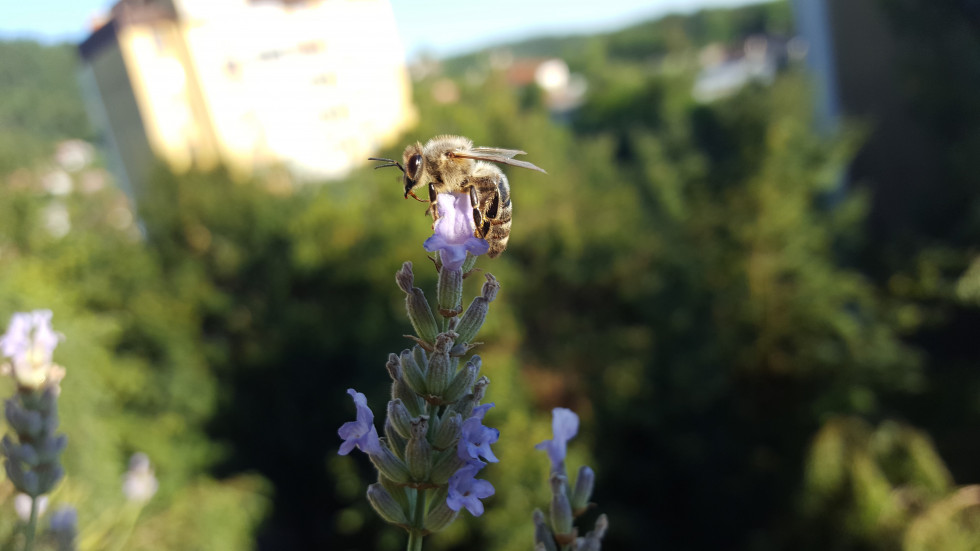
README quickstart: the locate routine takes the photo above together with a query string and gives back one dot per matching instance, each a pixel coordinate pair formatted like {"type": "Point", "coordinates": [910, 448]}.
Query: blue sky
{"type": "Point", "coordinates": [440, 27]}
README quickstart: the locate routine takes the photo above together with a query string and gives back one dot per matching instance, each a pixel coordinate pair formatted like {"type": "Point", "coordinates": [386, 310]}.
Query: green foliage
{"type": "Point", "coordinates": [40, 101]}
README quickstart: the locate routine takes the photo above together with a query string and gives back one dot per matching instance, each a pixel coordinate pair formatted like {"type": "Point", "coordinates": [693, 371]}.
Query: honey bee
{"type": "Point", "coordinates": [450, 164]}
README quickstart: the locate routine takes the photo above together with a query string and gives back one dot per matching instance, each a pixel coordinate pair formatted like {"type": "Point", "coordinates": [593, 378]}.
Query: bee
{"type": "Point", "coordinates": [450, 164]}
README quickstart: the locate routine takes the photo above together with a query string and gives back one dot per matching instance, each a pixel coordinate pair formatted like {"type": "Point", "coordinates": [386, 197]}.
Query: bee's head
{"type": "Point", "coordinates": [413, 166]}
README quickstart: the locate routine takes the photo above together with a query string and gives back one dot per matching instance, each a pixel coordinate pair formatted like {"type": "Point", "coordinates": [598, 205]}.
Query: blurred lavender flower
{"type": "Point", "coordinates": [360, 433]}
{"type": "Point", "coordinates": [453, 231]}
{"type": "Point", "coordinates": [64, 527]}
{"type": "Point", "coordinates": [139, 483]}
{"type": "Point", "coordinates": [32, 450]}
{"type": "Point", "coordinates": [564, 426]}
{"type": "Point", "coordinates": [29, 343]}
{"type": "Point", "coordinates": [465, 490]}
{"type": "Point", "coordinates": [475, 438]}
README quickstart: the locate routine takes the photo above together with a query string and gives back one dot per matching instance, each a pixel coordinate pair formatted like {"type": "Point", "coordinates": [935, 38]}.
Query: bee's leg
{"type": "Point", "coordinates": [479, 223]}
{"type": "Point", "coordinates": [494, 209]}
{"type": "Point", "coordinates": [432, 205]}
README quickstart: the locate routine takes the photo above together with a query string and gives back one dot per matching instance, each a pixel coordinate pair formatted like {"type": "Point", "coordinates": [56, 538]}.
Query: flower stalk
{"type": "Point", "coordinates": [32, 452]}
{"type": "Point", "coordinates": [434, 440]}
{"type": "Point", "coordinates": [556, 531]}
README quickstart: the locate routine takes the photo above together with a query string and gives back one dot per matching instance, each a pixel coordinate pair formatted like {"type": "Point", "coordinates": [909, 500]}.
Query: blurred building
{"type": "Point", "coordinates": [860, 67]}
{"type": "Point", "coordinates": [312, 85]}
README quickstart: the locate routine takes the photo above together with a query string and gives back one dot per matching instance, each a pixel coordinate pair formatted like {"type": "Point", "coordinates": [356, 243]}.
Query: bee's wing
{"type": "Point", "coordinates": [498, 151]}
{"type": "Point", "coordinates": [495, 155]}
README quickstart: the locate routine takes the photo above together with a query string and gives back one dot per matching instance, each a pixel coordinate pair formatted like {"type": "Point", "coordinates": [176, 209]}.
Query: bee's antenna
{"type": "Point", "coordinates": [388, 162]}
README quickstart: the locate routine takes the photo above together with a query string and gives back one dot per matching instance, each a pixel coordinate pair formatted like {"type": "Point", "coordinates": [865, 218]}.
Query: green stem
{"type": "Point", "coordinates": [31, 526]}
{"type": "Point", "coordinates": [418, 522]}
{"type": "Point", "coordinates": [414, 540]}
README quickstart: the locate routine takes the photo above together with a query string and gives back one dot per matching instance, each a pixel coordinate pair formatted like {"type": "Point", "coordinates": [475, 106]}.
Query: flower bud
{"type": "Point", "coordinates": [412, 372]}
{"type": "Point", "coordinates": [386, 505]}
{"type": "Point", "coordinates": [389, 465]}
{"type": "Point", "coordinates": [584, 483]}
{"type": "Point", "coordinates": [593, 540]}
{"type": "Point", "coordinates": [396, 491]}
{"type": "Point", "coordinates": [440, 370]}
{"type": "Point", "coordinates": [490, 288]}
{"type": "Point", "coordinates": [449, 291]}
{"type": "Point", "coordinates": [440, 515]}
{"type": "Point", "coordinates": [418, 451]}
{"type": "Point", "coordinates": [49, 449]}
{"type": "Point", "coordinates": [420, 314]}
{"type": "Point", "coordinates": [447, 462]}
{"type": "Point", "coordinates": [24, 453]}
{"type": "Point", "coordinates": [48, 477]}
{"type": "Point", "coordinates": [400, 418]}
{"type": "Point", "coordinates": [561, 509]}
{"type": "Point", "coordinates": [24, 422]}
{"type": "Point", "coordinates": [400, 389]}
{"type": "Point", "coordinates": [405, 278]}
{"type": "Point", "coordinates": [463, 380]}
{"type": "Point", "coordinates": [395, 441]}
{"type": "Point", "coordinates": [25, 481]}
{"type": "Point", "coordinates": [466, 404]}
{"type": "Point", "coordinates": [448, 432]}
{"type": "Point", "coordinates": [542, 533]}
{"type": "Point", "coordinates": [480, 389]}
{"type": "Point", "coordinates": [419, 354]}
{"type": "Point", "coordinates": [472, 320]}
{"type": "Point", "coordinates": [468, 264]}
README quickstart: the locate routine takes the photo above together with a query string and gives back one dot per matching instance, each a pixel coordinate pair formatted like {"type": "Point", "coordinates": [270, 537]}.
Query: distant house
{"type": "Point", "coordinates": [562, 89]}
{"type": "Point", "coordinates": [312, 85]}
{"type": "Point", "coordinates": [724, 73]}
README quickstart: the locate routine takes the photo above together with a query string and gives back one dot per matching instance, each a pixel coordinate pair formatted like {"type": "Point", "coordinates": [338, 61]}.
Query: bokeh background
{"type": "Point", "coordinates": [752, 269]}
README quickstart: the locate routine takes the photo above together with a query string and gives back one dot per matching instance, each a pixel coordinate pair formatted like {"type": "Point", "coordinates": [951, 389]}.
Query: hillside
{"type": "Point", "coordinates": [646, 40]}
{"type": "Point", "coordinates": [40, 101]}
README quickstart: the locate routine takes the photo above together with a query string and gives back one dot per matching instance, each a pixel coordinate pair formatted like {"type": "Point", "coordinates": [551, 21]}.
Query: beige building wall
{"type": "Point", "coordinates": [316, 86]}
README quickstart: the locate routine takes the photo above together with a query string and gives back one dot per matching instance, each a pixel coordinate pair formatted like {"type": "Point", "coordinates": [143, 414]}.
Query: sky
{"type": "Point", "coordinates": [437, 27]}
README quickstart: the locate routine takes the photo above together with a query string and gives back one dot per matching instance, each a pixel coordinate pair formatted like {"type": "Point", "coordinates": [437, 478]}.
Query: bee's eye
{"type": "Point", "coordinates": [414, 163]}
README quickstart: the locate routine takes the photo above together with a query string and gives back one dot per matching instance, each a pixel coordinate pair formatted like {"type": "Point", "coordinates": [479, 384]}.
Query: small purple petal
{"type": "Point", "coordinates": [465, 490]}
{"type": "Point", "coordinates": [361, 432]}
{"type": "Point", "coordinates": [475, 438]}
{"type": "Point", "coordinates": [564, 426]}
{"type": "Point", "coordinates": [453, 233]}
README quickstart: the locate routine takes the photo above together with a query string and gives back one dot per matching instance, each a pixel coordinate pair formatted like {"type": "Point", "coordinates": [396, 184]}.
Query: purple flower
{"type": "Point", "coordinates": [29, 343]}
{"type": "Point", "coordinates": [29, 338]}
{"type": "Point", "coordinates": [454, 231]}
{"type": "Point", "coordinates": [466, 491]}
{"type": "Point", "coordinates": [361, 432]}
{"type": "Point", "coordinates": [475, 438]}
{"type": "Point", "coordinates": [564, 426]}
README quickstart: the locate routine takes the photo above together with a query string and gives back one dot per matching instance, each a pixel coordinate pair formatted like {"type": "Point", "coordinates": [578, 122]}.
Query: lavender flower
{"type": "Point", "coordinates": [29, 343]}
{"type": "Point", "coordinates": [453, 231]}
{"type": "Point", "coordinates": [564, 426]}
{"type": "Point", "coordinates": [361, 432]}
{"type": "Point", "coordinates": [465, 490]}
{"type": "Point", "coordinates": [64, 527]}
{"type": "Point", "coordinates": [557, 530]}
{"type": "Point", "coordinates": [475, 438]}
{"type": "Point", "coordinates": [139, 483]}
